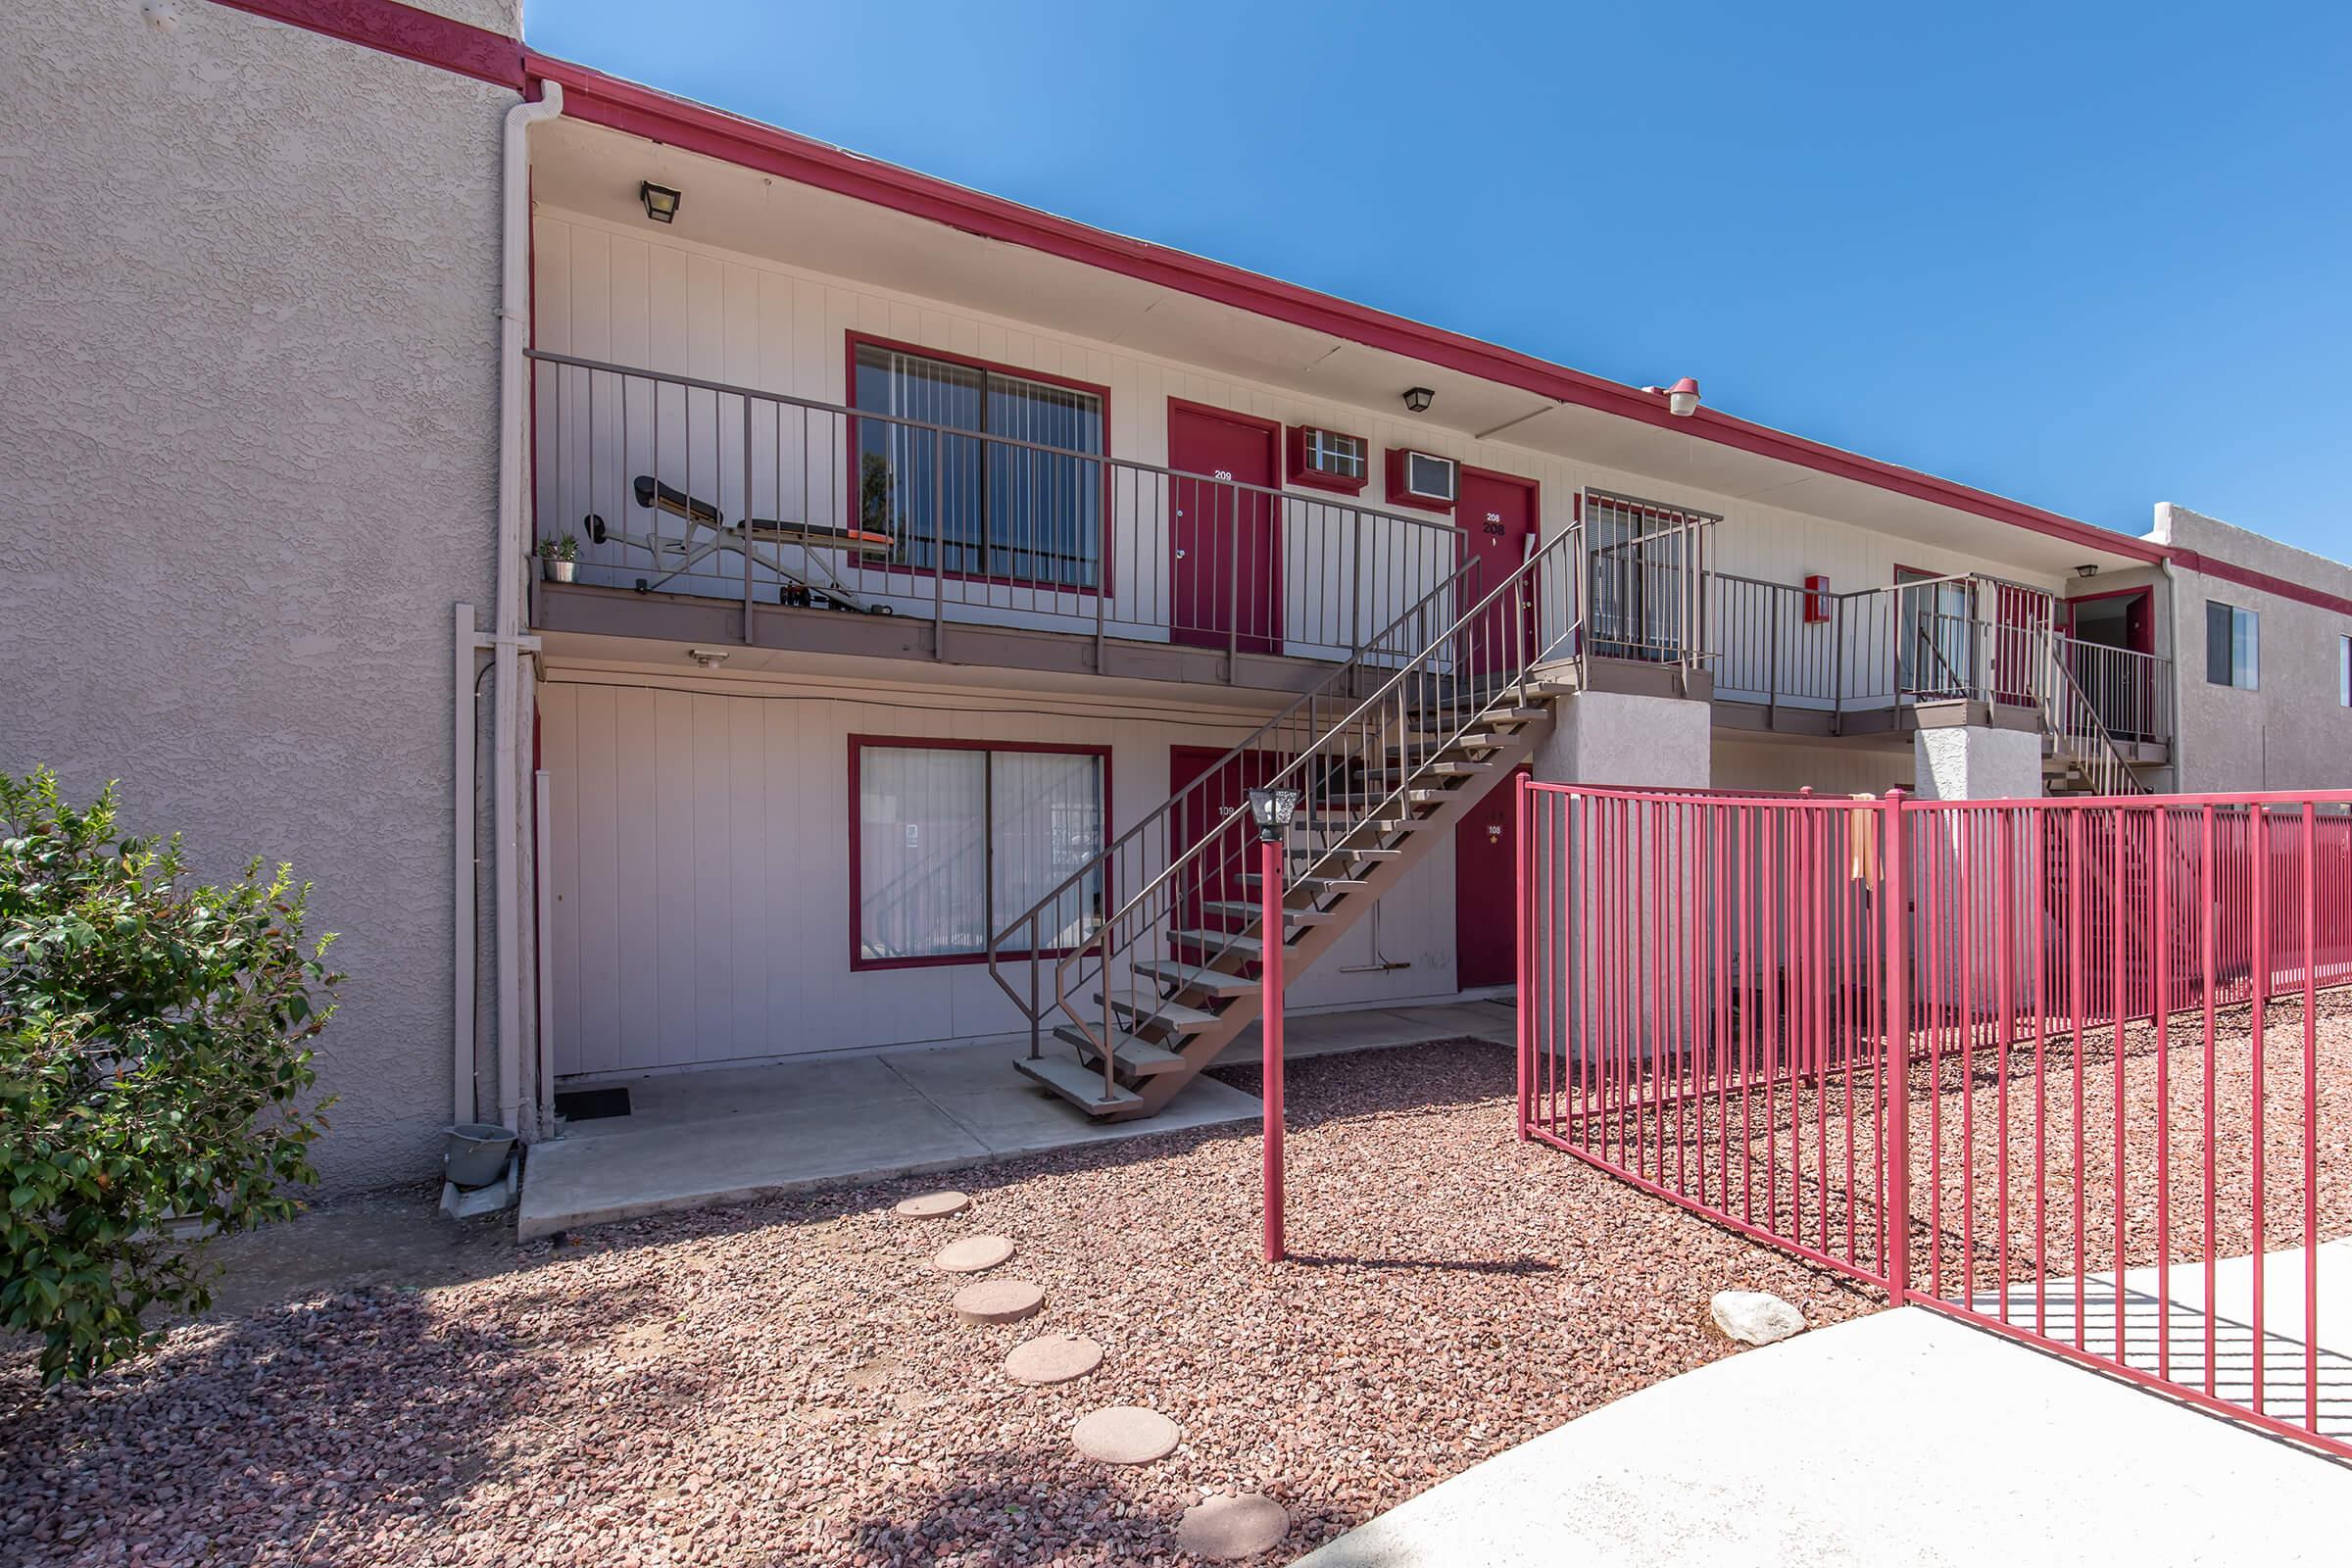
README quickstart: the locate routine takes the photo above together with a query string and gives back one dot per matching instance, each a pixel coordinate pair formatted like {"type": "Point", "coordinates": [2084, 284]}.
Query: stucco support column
{"type": "Point", "coordinates": [1976, 762]}
{"type": "Point", "coordinates": [1955, 869]}
{"type": "Point", "coordinates": [1623, 739]}
{"type": "Point", "coordinates": [1640, 742]}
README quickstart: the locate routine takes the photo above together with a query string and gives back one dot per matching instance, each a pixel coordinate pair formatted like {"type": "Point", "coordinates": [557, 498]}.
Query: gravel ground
{"type": "Point", "coordinates": [785, 1384]}
{"type": "Point", "coordinates": [1976, 1112]}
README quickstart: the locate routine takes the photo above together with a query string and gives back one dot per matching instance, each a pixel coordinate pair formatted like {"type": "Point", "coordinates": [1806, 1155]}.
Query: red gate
{"type": "Point", "coordinates": [2069, 1069]}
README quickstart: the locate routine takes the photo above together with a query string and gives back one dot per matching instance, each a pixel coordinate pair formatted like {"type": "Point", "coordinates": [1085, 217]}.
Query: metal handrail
{"type": "Point", "coordinates": [1345, 673]}
{"type": "Point", "coordinates": [2109, 771]}
{"type": "Point", "coordinates": [862, 415]}
{"type": "Point", "coordinates": [1466, 694]}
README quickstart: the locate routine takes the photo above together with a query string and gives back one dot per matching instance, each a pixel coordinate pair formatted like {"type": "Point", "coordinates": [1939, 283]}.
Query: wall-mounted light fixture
{"type": "Point", "coordinates": [1682, 398]}
{"type": "Point", "coordinates": [708, 657]}
{"type": "Point", "coordinates": [661, 202]}
{"type": "Point", "coordinates": [1417, 399]}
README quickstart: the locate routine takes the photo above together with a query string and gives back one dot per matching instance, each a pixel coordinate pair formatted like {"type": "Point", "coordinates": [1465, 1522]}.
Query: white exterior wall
{"type": "Point", "coordinates": [702, 866]}
{"type": "Point", "coordinates": [626, 296]}
{"type": "Point", "coordinates": [249, 467]}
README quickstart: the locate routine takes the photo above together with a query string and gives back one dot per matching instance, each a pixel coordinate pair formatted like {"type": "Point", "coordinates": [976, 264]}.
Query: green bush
{"type": "Point", "coordinates": [154, 1064]}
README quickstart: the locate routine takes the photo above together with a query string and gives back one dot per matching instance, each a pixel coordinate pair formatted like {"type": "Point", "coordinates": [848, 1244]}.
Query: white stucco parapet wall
{"type": "Point", "coordinates": [1616, 737]}
{"type": "Point", "coordinates": [1976, 762]}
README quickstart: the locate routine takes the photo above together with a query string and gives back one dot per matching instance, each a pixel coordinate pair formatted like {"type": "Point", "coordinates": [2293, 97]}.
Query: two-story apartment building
{"type": "Point", "coordinates": [881, 595]}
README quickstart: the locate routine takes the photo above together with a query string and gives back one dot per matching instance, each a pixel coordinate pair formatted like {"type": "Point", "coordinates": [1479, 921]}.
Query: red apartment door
{"type": "Point", "coordinates": [1497, 515]}
{"type": "Point", "coordinates": [1486, 903]}
{"type": "Point", "coordinates": [1224, 542]}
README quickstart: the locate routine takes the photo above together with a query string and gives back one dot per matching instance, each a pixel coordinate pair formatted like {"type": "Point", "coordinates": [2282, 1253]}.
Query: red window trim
{"type": "Point", "coordinates": [858, 962]}
{"type": "Point", "coordinates": [853, 340]}
{"type": "Point", "coordinates": [1400, 496]}
{"type": "Point", "coordinates": [1296, 465]}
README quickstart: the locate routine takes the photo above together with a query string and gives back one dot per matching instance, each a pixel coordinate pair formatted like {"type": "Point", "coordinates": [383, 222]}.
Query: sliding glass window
{"type": "Point", "coordinates": [990, 504]}
{"type": "Point", "coordinates": [954, 840]}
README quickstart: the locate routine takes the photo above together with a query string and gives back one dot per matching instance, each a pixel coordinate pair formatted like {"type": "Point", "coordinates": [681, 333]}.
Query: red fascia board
{"type": "Point", "coordinates": [403, 30]}
{"type": "Point", "coordinates": [2247, 576]}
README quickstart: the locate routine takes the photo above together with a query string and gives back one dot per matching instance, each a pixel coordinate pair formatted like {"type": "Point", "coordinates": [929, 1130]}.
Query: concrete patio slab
{"type": "Point", "coordinates": [735, 1135]}
{"type": "Point", "coordinates": [1900, 1438]}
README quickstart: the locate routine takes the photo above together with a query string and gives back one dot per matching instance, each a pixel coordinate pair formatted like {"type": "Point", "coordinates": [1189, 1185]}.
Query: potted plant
{"type": "Point", "coordinates": [558, 556]}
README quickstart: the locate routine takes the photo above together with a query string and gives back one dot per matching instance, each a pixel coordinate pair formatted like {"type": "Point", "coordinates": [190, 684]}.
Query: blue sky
{"type": "Point", "coordinates": [2093, 257]}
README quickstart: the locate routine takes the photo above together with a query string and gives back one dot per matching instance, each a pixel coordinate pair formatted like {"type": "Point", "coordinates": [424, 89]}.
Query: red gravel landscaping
{"type": "Point", "coordinates": [786, 1384]}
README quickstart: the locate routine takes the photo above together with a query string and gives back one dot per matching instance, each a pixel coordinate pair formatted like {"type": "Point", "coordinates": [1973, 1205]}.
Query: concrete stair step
{"type": "Point", "coordinates": [1194, 977]}
{"type": "Point", "coordinates": [1312, 884]}
{"type": "Point", "coordinates": [1468, 741]}
{"type": "Point", "coordinates": [1419, 794]}
{"type": "Point", "coordinates": [1222, 941]}
{"type": "Point", "coordinates": [1082, 1086]}
{"type": "Point", "coordinates": [1237, 909]}
{"type": "Point", "coordinates": [1173, 1016]}
{"type": "Point", "coordinates": [1144, 1058]}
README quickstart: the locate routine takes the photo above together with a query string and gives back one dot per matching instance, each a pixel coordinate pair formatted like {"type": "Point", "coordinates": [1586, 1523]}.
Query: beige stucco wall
{"type": "Point", "coordinates": [249, 465]}
{"type": "Point", "coordinates": [2293, 732]}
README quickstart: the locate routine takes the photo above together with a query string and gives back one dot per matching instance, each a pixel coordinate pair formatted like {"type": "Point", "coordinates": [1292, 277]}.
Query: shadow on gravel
{"type": "Point", "coordinates": [304, 1432]}
{"type": "Point", "coordinates": [1517, 1266]}
{"type": "Point", "coordinates": [1034, 1504]}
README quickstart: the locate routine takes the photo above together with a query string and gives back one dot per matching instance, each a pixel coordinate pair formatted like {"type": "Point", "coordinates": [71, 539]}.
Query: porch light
{"type": "Point", "coordinates": [1682, 398]}
{"type": "Point", "coordinates": [661, 202]}
{"type": "Point", "coordinates": [1273, 809]}
{"type": "Point", "coordinates": [2088, 569]}
{"type": "Point", "coordinates": [1417, 399]}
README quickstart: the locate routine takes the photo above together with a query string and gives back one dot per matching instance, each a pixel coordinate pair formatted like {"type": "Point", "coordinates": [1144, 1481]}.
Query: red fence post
{"type": "Point", "coordinates": [1523, 886]}
{"type": "Point", "coordinates": [1269, 1032]}
{"type": "Point", "coordinates": [1897, 1054]}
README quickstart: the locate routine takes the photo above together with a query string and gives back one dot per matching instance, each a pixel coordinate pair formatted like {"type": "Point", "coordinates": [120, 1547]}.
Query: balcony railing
{"type": "Point", "coordinates": [675, 484]}
{"type": "Point", "coordinates": [1955, 638]}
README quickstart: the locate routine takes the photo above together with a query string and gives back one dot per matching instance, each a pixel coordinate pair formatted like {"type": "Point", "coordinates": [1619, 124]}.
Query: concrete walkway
{"type": "Point", "coordinates": [732, 1134]}
{"type": "Point", "coordinates": [1904, 1437]}
{"type": "Point", "coordinates": [2169, 1306]}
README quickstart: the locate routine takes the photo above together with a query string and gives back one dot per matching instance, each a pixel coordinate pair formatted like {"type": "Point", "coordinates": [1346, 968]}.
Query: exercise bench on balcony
{"type": "Point", "coordinates": [760, 539]}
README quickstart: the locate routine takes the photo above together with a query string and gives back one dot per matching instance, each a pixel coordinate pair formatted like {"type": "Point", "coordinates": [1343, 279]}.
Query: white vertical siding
{"type": "Point", "coordinates": [702, 870]}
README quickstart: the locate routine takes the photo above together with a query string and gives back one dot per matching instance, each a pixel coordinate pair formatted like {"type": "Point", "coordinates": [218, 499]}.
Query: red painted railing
{"type": "Point", "coordinates": [1997, 1059]}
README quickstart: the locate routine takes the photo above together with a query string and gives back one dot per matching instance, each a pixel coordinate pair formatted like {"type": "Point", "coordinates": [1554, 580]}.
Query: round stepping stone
{"type": "Point", "coordinates": [1232, 1527]}
{"type": "Point", "coordinates": [934, 1205]}
{"type": "Point", "coordinates": [999, 1301]}
{"type": "Point", "coordinates": [1053, 1359]}
{"type": "Point", "coordinates": [1126, 1434]}
{"type": "Point", "coordinates": [969, 1255]}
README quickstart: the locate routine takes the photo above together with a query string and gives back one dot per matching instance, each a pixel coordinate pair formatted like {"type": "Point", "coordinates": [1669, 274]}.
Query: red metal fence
{"type": "Point", "coordinates": [2073, 1069]}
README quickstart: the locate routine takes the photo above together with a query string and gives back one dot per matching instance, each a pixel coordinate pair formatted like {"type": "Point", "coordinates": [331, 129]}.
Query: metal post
{"type": "Point", "coordinates": [1897, 1058]}
{"type": "Point", "coordinates": [743, 520]}
{"type": "Point", "coordinates": [938, 546]}
{"type": "Point", "coordinates": [1270, 1031]}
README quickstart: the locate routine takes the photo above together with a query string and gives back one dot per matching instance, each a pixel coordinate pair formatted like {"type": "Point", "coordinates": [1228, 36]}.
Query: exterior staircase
{"type": "Point", "coordinates": [1387, 753]}
{"type": "Point", "coordinates": [2080, 757]}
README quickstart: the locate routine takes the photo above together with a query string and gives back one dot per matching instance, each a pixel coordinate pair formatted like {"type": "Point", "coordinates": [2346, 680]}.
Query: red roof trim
{"type": "Point", "coordinates": [2247, 576]}
{"type": "Point", "coordinates": [402, 31]}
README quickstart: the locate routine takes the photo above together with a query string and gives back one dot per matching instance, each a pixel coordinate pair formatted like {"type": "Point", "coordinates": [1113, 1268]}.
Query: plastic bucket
{"type": "Point", "coordinates": [474, 1154]}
